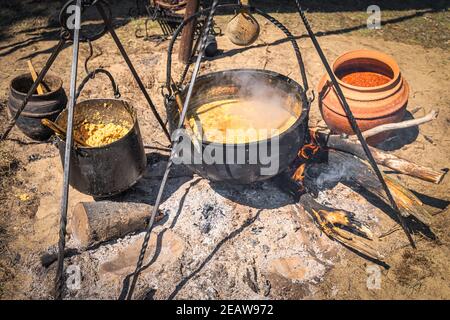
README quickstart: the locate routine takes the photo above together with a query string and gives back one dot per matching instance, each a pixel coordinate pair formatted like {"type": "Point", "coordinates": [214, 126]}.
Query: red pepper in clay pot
{"type": "Point", "coordinates": [374, 88]}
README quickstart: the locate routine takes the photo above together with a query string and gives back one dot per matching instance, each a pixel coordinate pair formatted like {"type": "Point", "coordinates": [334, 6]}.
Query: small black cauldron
{"type": "Point", "coordinates": [229, 85]}
{"type": "Point", "coordinates": [47, 105]}
{"type": "Point", "coordinates": [110, 169]}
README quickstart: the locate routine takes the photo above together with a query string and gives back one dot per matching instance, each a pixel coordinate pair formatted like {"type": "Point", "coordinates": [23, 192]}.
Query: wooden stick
{"type": "Point", "coordinates": [381, 157]}
{"type": "Point", "coordinates": [399, 125]}
{"type": "Point", "coordinates": [40, 89]}
{"type": "Point", "coordinates": [61, 131]}
{"type": "Point", "coordinates": [97, 222]}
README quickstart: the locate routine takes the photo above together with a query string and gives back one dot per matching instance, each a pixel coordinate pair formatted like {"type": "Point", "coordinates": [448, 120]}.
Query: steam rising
{"type": "Point", "coordinates": [258, 109]}
{"type": "Point", "coordinates": [274, 104]}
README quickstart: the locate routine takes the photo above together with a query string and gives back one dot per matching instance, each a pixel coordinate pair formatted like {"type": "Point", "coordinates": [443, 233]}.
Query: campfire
{"type": "Point", "coordinates": [318, 167]}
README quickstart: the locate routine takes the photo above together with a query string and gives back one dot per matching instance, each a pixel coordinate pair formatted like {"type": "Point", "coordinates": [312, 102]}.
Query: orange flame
{"type": "Point", "coordinates": [308, 150]}
{"type": "Point", "coordinates": [299, 176]}
{"type": "Point", "coordinates": [305, 154]}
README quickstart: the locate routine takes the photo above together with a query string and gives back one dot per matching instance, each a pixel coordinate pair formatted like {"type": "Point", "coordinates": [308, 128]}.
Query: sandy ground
{"type": "Point", "coordinates": [254, 242]}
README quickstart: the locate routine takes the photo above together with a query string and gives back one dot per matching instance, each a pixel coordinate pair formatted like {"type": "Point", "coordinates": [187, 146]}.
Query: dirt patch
{"type": "Point", "coordinates": [413, 269]}
{"type": "Point", "coordinates": [9, 165]}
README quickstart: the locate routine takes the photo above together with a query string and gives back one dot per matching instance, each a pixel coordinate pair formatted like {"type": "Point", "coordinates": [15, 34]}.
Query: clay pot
{"type": "Point", "coordinates": [371, 106]}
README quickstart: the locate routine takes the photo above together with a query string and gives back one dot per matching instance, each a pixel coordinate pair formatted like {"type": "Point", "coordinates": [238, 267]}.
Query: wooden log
{"type": "Point", "coordinates": [187, 35]}
{"type": "Point", "coordinates": [399, 125]}
{"type": "Point", "coordinates": [361, 174]}
{"type": "Point", "coordinates": [97, 222]}
{"type": "Point", "coordinates": [381, 157]}
{"type": "Point", "coordinates": [333, 223]}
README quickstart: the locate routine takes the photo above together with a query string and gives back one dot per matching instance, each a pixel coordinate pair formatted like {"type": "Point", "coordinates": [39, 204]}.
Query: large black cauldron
{"type": "Point", "coordinates": [228, 85]}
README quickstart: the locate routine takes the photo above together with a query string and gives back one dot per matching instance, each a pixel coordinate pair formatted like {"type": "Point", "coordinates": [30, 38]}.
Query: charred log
{"type": "Point", "coordinates": [317, 169]}
{"type": "Point", "coordinates": [381, 157]}
{"type": "Point", "coordinates": [343, 167]}
{"type": "Point", "coordinates": [341, 226]}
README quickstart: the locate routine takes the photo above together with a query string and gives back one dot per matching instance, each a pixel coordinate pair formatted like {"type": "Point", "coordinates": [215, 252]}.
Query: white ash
{"type": "Point", "coordinates": [343, 197]}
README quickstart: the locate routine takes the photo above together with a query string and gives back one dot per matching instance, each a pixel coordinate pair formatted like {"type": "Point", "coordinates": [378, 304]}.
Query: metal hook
{"type": "Point", "coordinates": [66, 14]}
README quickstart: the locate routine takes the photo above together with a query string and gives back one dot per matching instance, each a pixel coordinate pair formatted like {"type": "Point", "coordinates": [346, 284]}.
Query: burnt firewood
{"type": "Point", "coordinates": [317, 169]}
{"type": "Point", "coordinates": [342, 226]}
{"type": "Point", "coordinates": [386, 159]}
{"type": "Point", "coordinates": [343, 167]}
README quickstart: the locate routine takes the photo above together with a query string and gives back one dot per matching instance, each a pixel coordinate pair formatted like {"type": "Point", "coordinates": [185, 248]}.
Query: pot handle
{"type": "Point", "coordinates": [309, 94]}
{"type": "Point", "coordinates": [60, 143]}
{"type": "Point", "coordinates": [92, 74]}
{"type": "Point", "coordinates": [80, 152]}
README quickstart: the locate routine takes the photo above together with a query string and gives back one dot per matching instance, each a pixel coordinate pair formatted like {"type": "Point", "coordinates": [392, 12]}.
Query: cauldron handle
{"type": "Point", "coordinates": [92, 74]}
{"type": "Point", "coordinates": [309, 94]}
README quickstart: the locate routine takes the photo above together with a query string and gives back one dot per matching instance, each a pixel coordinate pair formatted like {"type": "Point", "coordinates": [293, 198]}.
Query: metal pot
{"type": "Point", "coordinates": [47, 105]}
{"type": "Point", "coordinates": [225, 85]}
{"type": "Point", "coordinates": [110, 169]}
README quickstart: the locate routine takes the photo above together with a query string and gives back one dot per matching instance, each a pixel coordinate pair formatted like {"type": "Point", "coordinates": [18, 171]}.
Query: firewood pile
{"type": "Point", "coordinates": [329, 159]}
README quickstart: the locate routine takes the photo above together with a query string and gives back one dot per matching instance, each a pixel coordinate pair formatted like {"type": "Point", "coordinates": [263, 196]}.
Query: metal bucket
{"type": "Point", "coordinates": [110, 169]}
{"type": "Point", "coordinates": [47, 105]}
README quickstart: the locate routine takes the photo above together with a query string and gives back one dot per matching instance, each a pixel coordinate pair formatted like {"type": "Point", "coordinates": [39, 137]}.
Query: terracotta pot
{"type": "Point", "coordinates": [371, 106]}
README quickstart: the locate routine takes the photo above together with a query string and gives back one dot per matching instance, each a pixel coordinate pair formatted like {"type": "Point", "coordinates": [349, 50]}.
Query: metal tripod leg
{"type": "Point", "coordinates": [67, 153]}
{"type": "Point", "coordinates": [132, 69]}
{"type": "Point", "coordinates": [353, 122]}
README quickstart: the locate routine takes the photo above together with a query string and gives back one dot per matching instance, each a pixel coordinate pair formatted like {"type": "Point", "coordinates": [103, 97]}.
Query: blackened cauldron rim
{"type": "Point", "coordinates": [296, 87]}
{"type": "Point", "coordinates": [58, 85]}
{"type": "Point", "coordinates": [131, 110]}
